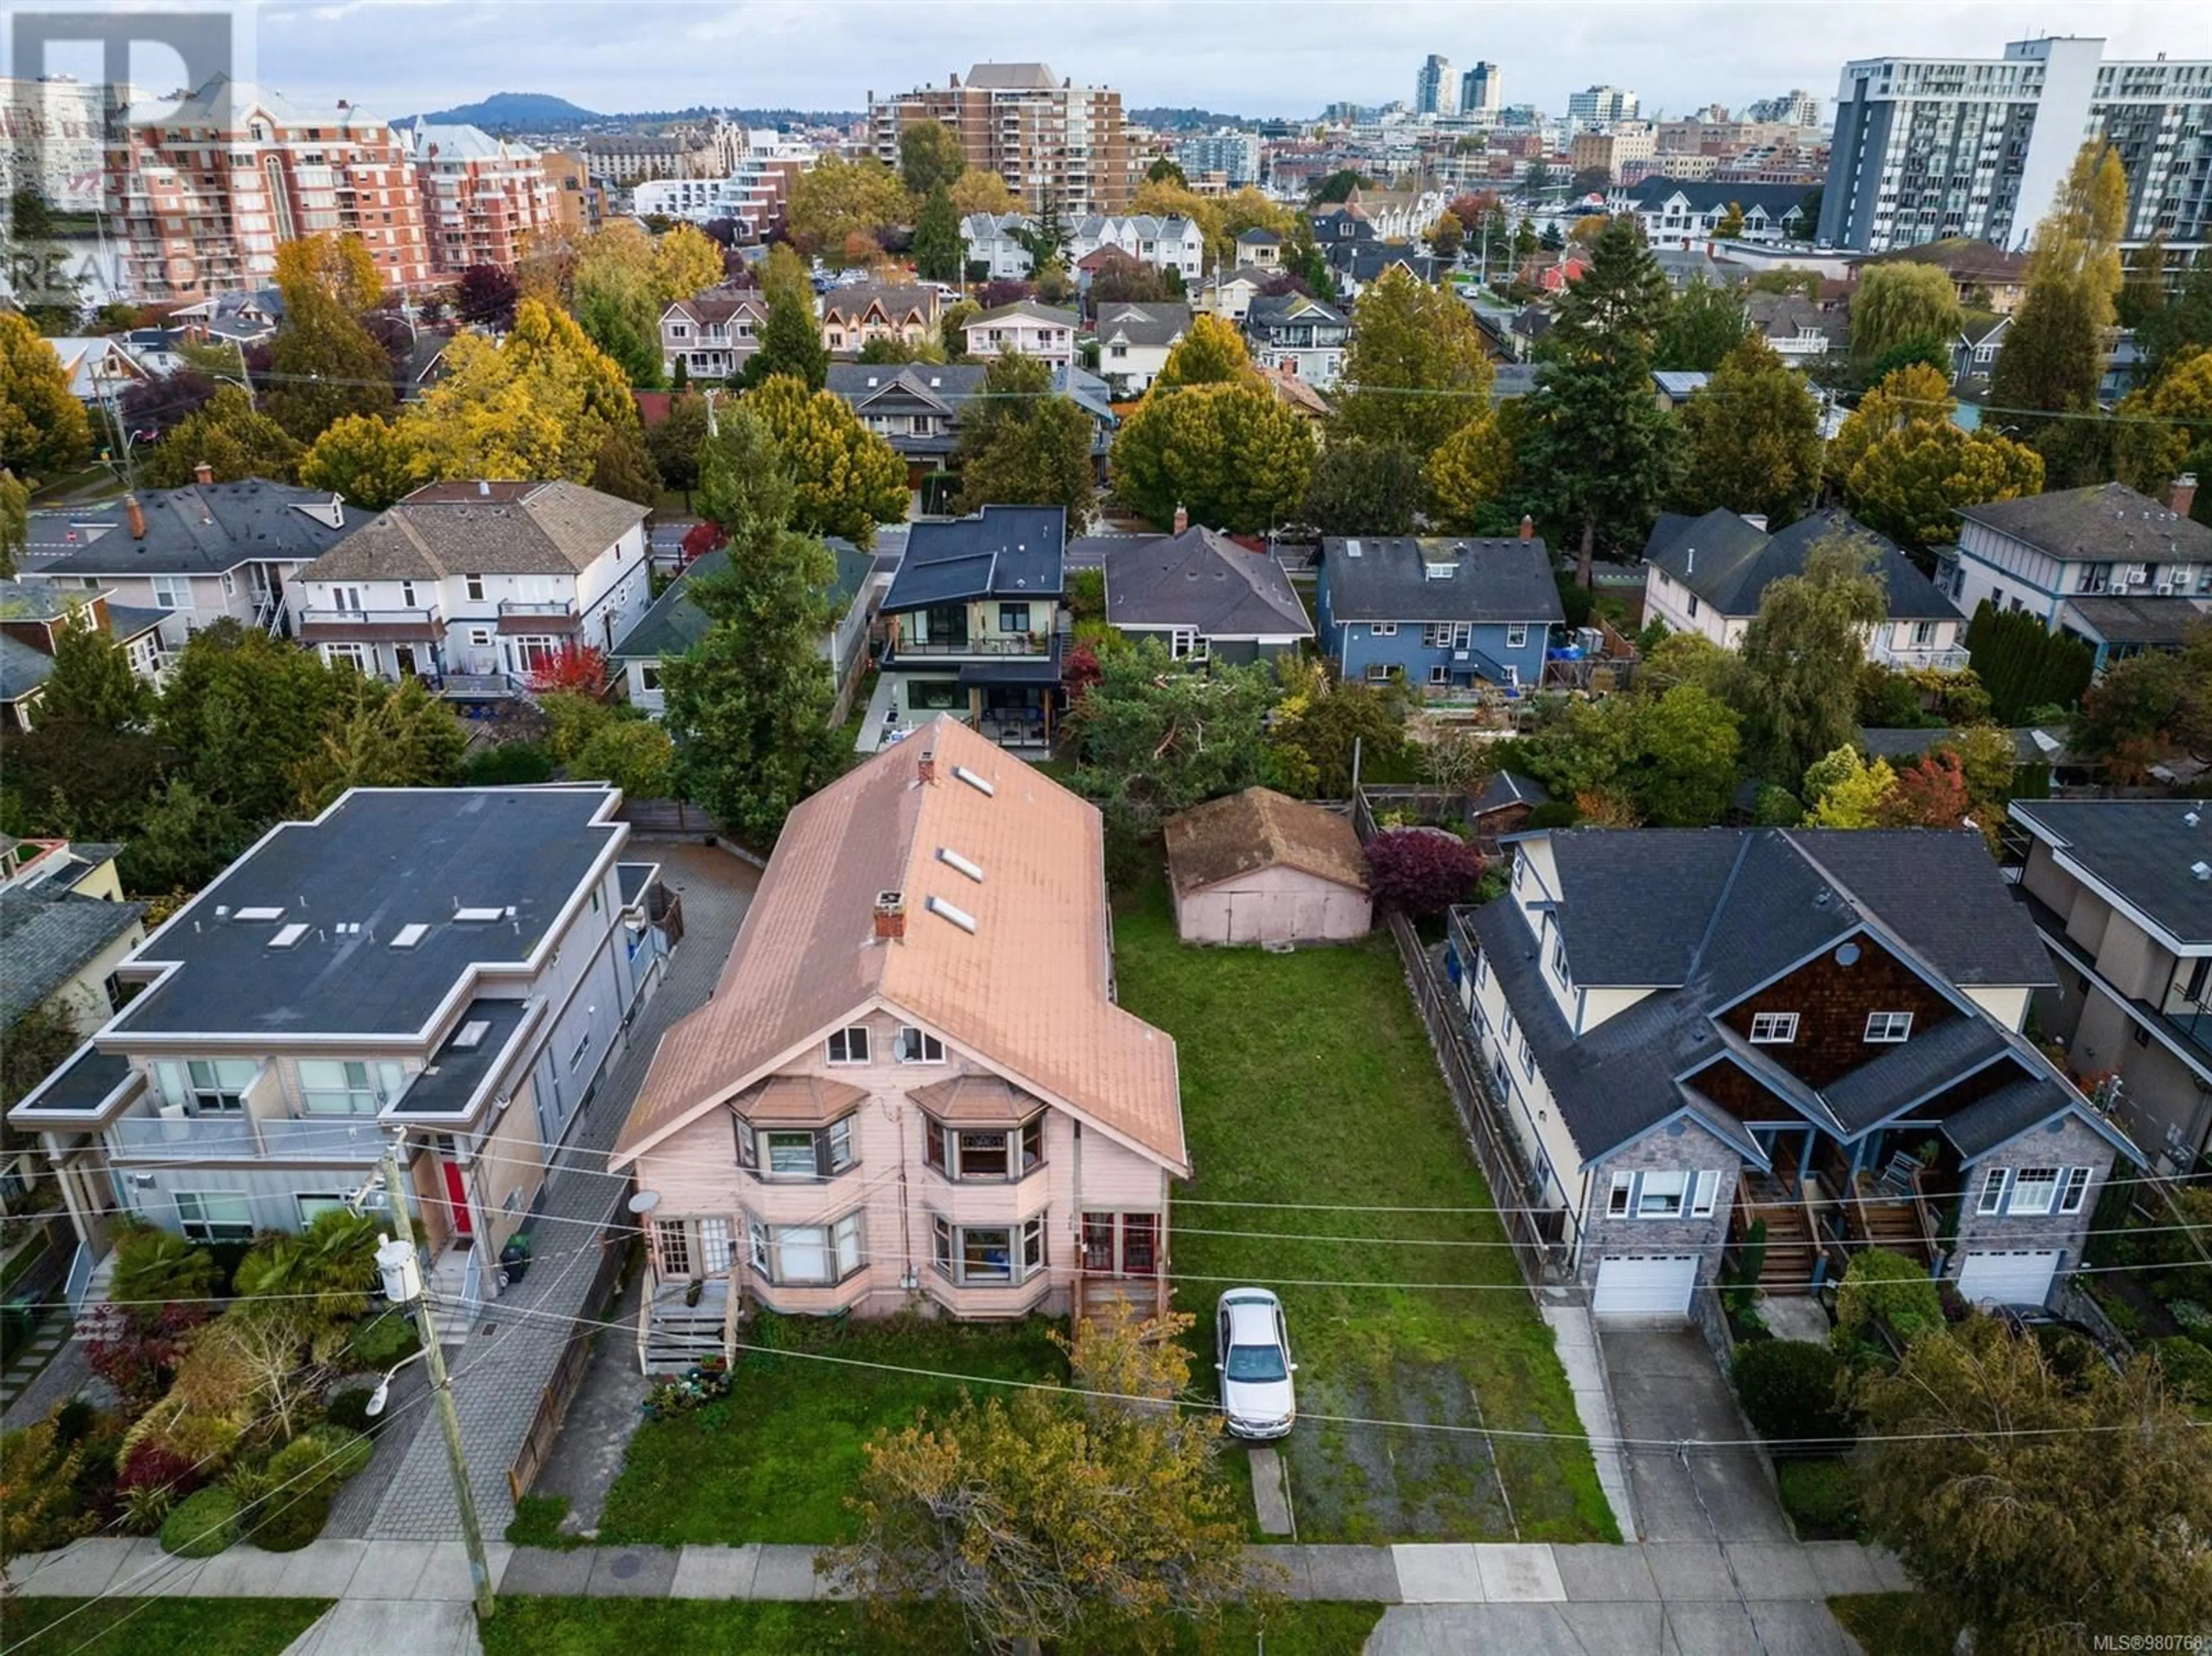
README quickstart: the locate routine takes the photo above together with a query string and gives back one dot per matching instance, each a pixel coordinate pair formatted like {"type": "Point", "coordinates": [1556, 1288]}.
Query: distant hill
{"type": "Point", "coordinates": [1187, 120]}
{"type": "Point", "coordinates": [511, 111]}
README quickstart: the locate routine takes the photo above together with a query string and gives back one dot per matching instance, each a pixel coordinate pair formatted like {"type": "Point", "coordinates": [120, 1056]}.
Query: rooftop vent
{"type": "Point", "coordinates": [2200, 870]}
{"type": "Point", "coordinates": [482, 914]}
{"type": "Point", "coordinates": [986, 788]}
{"type": "Point", "coordinates": [409, 936]}
{"type": "Point", "coordinates": [287, 936]}
{"type": "Point", "coordinates": [2189, 819]}
{"type": "Point", "coordinates": [257, 913]}
{"type": "Point", "coordinates": [959, 917]}
{"type": "Point", "coordinates": [472, 1034]}
{"type": "Point", "coordinates": [952, 859]}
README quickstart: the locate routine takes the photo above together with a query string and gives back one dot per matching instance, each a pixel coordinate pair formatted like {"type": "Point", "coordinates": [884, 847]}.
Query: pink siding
{"type": "Point", "coordinates": [1274, 905]}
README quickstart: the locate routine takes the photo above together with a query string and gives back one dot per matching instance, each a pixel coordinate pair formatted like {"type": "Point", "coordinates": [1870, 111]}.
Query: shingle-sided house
{"type": "Point", "coordinates": [713, 335]}
{"type": "Point", "coordinates": [1133, 343]}
{"type": "Point", "coordinates": [64, 930]}
{"type": "Point", "coordinates": [1298, 334]}
{"type": "Point", "coordinates": [1442, 615]}
{"type": "Point", "coordinates": [976, 624]}
{"type": "Point", "coordinates": [1200, 594]}
{"type": "Point", "coordinates": [33, 616]}
{"type": "Point", "coordinates": [1260, 867]}
{"type": "Point", "coordinates": [1689, 1031]}
{"type": "Point", "coordinates": [1706, 575]}
{"type": "Point", "coordinates": [853, 317]}
{"type": "Point", "coordinates": [912, 1088]}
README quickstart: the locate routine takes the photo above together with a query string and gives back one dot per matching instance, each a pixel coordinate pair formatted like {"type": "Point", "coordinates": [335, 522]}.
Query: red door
{"type": "Point", "coordinates": [457, 1198]}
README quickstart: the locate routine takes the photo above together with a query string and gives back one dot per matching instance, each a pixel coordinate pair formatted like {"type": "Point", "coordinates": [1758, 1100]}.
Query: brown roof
{"type": "Point", "coordinates": [1025, 992]}
{"type": "Point", "coordinates": [1261, 828]}
{"type": "Point", "coordinates": [482, 528]}
{"type": "Point", "coordinates": [802, 1100]}
{"type": "Point", "coordinates": [976, 1098]}
{"type": "Point", "coordinates": [894, 304]}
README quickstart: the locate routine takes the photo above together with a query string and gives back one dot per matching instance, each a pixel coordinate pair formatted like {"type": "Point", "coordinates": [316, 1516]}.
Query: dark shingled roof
{"type": "Point", "coordinates": [1509, 788]}
{"type": "Point", "coordinates": [1143, 325]}
{"type": "Point", "coordinates": [2154, 622]}
{"type": "Point", "coordinates": [1910, 1071]}
{"type": "Point", "coordinates": [1729, 563]}
{"type": "Point", "coordinates": [1002, 551]}
{"type": "Point", "coordinates": [2143, 849]}
{"type": "Point", "coordinates": [46, 940]}
{"type": "Point", "coordinates": [467, 528]}
{"type": "Point", "coordinates": [192, 532]}
{"type": "Point", "coordinates": [2003, 1115]}
{"type": "Point", "coordinates": [1202, 579]}
{"type": "Point", "coordinates": [1261, 828]}
{"type": "Point", "coordinates": [2108, 520]}
{"type": "Point", "coordinates": [1373, 578]}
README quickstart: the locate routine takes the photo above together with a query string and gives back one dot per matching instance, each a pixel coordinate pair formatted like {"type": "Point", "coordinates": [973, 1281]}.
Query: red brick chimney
{"type": "Point", "coordinates": [138, 515]}
{"type": "Point", "coordinates": [1528, 527]}
{"type": "Point", "coordinates": [2181, 493]}
{"type": "Point", "coordinates": [925, 768]}
{"type": "Point", "coordinates": [891, 915]}
{"type": "Point", "coordinates": [202, 474]}
{"type": "Point", "coordinates": [1181, 520]}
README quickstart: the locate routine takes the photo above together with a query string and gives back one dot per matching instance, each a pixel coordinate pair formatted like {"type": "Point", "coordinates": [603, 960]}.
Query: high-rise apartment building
{"type": "Point", "coordinates": [52, 131]}
{"type": "Point", "coordinates": [1796, 107]}
{"type": "Point", "coordinates": [482, 198]}
{"type": "Point", "coordinates": [1926, 148]}
{"type": "Point", "coordinates": [200, 192]}
{"type": "Point", "coordinates": [1480, 91]}
{"type": "Point", "coordinates": [1601, 106]}
{"type": "Point", "coordinates": [1049, 139]}
{"type": "Point", "coordinates": [578, 204]}
{"type": "Point", "coordinates": [1435, 93]}
{"type": "Point", "coordinates": [1235, 155]}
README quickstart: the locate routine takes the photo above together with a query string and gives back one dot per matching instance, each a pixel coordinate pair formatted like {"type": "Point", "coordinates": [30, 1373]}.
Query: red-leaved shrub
{"type": "Point", "coordinates": [1421, 871]}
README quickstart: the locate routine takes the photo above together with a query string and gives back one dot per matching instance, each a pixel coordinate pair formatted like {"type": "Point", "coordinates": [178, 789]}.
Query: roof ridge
{"type": "Point", "coordinates": [1720, 905]}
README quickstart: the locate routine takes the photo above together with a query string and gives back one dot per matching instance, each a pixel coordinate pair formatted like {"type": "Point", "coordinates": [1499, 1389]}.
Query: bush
{"type": "Point", "coordinates": [151, 1463]}
{"type": "Point", "coordinates": [292, 1519]}
{"type": "Point", "coordinates": [382, 1341]}
{"type": "Point", "coordinates": [1892, 1289]}
{"type": "Point", "coordinates": [318, 1459]}
{"type": "Point", "coordinates": [202, 1525]}
{"type": "Point", "coordinates": [1791, 1389]}
{"type": "Point", "coordinates": [1821, 1497]}
{"type": "Point", "coordinates": [1422, 871]}
{"type": "Point", "coordinates": [348, 1411]}
{"type": "Point", "coordinates": [146, 1508]}
{"type": "Point", "coordinates": [2187, 1367]}
{"type": "Point", "coordinates": [509, 764]}
{"type": "Point", "coordinates": [152, 1266]}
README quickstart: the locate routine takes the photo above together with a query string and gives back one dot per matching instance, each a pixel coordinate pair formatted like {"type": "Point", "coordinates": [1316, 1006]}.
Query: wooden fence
{"type": "Point", "coordinates": [667, 816]}
{"type": "Point", "coordinates": [560, 1391]}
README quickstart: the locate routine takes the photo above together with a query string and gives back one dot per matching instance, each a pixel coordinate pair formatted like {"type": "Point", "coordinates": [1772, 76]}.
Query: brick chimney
{"type": "Point", "coordinates": [1181, 520]}
{"type": "Point", "coordinates": [2181, 493]}
{"type": "Point", "coordinates": [202, 474]}
{"type": "Point", "coordinates": [891, 916]}
{"type": "Point", "coordinates": [138, 515]}
{"type": "Point", "coordinates": [1528, 527]}
{"type": "Point", "coordinates": [925, 768]}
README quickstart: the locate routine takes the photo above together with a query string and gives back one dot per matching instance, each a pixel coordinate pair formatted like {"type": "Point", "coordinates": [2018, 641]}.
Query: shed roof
{"type": "Point", "coordinates": [1261, 828]}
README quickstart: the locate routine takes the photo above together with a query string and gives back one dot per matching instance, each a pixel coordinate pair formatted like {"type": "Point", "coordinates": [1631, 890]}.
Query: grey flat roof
{"type": "Point", "coordinates": [2143, 849]}
{"type": "Point", "coordinates": [383, 859]}
{"type": "Point", "coordinates": [81, 1086]}
{"type": "Point", "coordinates": [445, 1085]}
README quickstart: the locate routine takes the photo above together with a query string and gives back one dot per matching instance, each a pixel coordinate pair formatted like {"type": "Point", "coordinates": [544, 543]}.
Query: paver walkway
{"type": "Point", "coordinates": [515, 1341]}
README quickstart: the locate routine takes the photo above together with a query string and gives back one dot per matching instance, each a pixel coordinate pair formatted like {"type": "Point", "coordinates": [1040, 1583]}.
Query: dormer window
{"type": "Point", "coordinates": [1559, 962]}
{"type": "Point", "coordinates": [1883, 1027]}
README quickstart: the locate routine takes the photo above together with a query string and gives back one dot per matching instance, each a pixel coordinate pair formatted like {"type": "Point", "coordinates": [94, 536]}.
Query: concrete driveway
{"type": "Point", "coordinates": [1666, 1388]}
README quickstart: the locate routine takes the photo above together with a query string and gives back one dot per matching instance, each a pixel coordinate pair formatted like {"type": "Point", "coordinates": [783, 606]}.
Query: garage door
{"type": "Point", "coordinates": [2020, 1277]}
{"type": "Point", "coordinates": [1653, 1286]}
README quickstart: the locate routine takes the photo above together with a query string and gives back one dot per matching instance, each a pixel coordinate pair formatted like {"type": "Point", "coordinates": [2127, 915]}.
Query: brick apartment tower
{"type": "Point", "coordinates": [1051, 139]}
{"type": "Point", "coordinates": [482, 198]}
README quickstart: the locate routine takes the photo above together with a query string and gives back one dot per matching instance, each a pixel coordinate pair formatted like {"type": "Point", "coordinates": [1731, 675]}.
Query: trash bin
{"type": "Point", "coordinates": [514, 1257]}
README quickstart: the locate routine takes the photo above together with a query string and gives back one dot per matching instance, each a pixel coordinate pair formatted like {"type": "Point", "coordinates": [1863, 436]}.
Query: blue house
{"type": "Point", "coordinates": [1441, 614]}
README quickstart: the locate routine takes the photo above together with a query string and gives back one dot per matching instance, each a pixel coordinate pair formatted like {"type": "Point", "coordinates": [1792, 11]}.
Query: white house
{"type": "Point", "coordinates": [2047, 552]}
{"type": "Point", "coordinates": [1027, 329]}
{"type": "Point", "coordinates": [477, 579]}
{"type": "Point", "coordinates": [1134, 340]}
{"type": "Point", "coordinates": [1165, 243]}
{"type": "Point", "coordinates": [714, 334]}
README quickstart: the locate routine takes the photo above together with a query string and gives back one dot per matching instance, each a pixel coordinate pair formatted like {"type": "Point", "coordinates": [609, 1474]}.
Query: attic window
{"type": "Point", "coordinates": [409, 936]}
{"type": "Point", "coordinates": [986, 789]}
{"type": "Point", "coordinates": [481, 914]}
{"type": "Point", "coordinates": [1440, 571]}
{"type": "Point", "coordinates": [287, 936]}
{"type": "Point", "coordinates": [959, 917]}
{"type": "Point", "coordinates": [952, 859]}
{"type": "Point", "coordinates": [472, 1034]}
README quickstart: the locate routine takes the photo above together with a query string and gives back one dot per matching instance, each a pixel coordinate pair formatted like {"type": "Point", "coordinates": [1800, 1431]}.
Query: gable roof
{"type": "Point", "coordinates": [1027, 310]}
{"type": "Point", "coordinates": [674, 622]}
{"type": "Point", "coordinates": [1771, 201]}
{"type": "Point", "coordinates": [1002, 551]}
{"type": "Point", "coordinates": [2107, 520]}
{"type": "Point", "coordinates": [1273, 310]}
{"type": "Point", "coordinates": [1729, 563]}
{"type": "Point", "coordinates": [1507, 788]}
{"type": "Point", "coordinates": [1261, 828]}
{"type": "Point", "coordinates": [853, 303]}
{"type": "Point", "coordinates": [1198, 579]}
{"type": "Point", "coordinates": [192, 531]}
{"type": "Point", "coordinates": [482, 528]}
{"type": "Point", "coordinates": [1146, 323]}
{"type": "Point", "coordinates": [1385, 577]}
{"type": "Point", "coordinates": [46, 939]}
{"type": "Point", "coordinates": [1028, 990]}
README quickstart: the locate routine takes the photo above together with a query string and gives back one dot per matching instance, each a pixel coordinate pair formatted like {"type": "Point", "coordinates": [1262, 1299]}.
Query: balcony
{"type": "Point", "coordinates": [2187, 1005]}
{"type": "Point", "coordinates": [521, 615]}
{"type": "Point", "coordinates": [986, 643]}
{"type": "Point", "coordinates": [1944, 659]}
{"type": "Point", "coordinates": [318, 622]}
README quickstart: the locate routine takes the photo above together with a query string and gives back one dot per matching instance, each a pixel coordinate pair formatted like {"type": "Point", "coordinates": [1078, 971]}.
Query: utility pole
{"type": "Point", "coordinates": [403, 1280]}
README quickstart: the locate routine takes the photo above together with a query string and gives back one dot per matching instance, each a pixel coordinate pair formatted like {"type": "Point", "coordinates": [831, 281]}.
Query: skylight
{"type": "Point", "coordinates": [952, 859]}
{"type": "Point", "coordinates": [471, 1036]}
{"type": "Point", "coordinates": [287, 936]}
{"type": "Point", "coordinates": [959, 917]}
{"type": "Point", "coordinates": [978, 783]}
{"type": "Point", "coordinates": [409, 936]}
{"type": "Point", "coordinates": [477, 913]}
{"type": "Point", "coordinates": [259, 914]}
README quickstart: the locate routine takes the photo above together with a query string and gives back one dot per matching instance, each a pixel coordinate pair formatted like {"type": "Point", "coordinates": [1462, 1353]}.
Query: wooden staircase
{"type": "Point", "coordinates": [1791, 1246]}
{"type": "Point", "coordinates": [673, 1338]}
{"type": "Point", "coordinates": [1094, 1294]}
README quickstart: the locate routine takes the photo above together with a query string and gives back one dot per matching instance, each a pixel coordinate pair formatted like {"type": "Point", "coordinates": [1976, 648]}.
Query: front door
{"type": "Point", "coordinates": [403, 658]}
{"type": "Point", "coordinates": [457, 1199]}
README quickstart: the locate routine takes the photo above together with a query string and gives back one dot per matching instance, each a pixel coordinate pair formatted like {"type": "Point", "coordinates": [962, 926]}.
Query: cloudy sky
{"type": "Point", "coordinates": [1253, 56]}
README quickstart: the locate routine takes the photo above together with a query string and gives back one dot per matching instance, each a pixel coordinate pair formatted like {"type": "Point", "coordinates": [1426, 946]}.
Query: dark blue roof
{"type": "Point", "coordinates": [1386, 578]}
{"type": "Point", "coordinates": [1730, 563]}
{"type": "Point", "coordinates": [1002, 551]}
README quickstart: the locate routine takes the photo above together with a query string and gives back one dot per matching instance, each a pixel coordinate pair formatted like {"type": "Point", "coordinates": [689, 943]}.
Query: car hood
{"type": "Point", "coordinates": [1257, 1399]}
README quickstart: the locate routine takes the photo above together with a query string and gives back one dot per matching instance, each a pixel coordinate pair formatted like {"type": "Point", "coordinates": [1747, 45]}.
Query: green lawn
{"type": "Point", "coordinates": [154, 1627]}
{"type": "Point", "coordinates": [1307, 1079]}
{"type": "Point", "coordinates": [775, 1460]}
{"type": "Point", "coordinates": [1896, 1623]}
{"type": "Point", "coordinates": [624, 1627]}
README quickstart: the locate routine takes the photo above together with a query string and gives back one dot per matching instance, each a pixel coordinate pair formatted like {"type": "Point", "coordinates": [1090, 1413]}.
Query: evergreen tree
{"type": "Point", "coordinates": [91, 684]}
{"type": "Point", "coordinates": [791, 343]}
{"type": "Point", "coordinates": [939, 253]}
{"type": "Point", "coordinates": [1360, 487]}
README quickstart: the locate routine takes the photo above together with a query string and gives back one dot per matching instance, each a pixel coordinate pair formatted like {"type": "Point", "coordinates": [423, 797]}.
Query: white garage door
{"type": "Point", "coordinates": [2019, 1276]}
{"type": "Point", "coordinates": [1656, 1286]}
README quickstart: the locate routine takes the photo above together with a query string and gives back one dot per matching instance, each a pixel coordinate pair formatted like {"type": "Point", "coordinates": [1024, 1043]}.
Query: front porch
{"type": "Point", "coordinates": [1826, 1200]}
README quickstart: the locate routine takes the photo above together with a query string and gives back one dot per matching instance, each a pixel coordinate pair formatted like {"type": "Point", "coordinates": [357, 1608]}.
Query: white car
{"type": "Point", "coordinates": [1253, 1353]}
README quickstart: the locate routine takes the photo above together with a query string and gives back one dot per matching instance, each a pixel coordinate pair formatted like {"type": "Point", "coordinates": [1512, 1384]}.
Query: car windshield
{"type": "Point", "coordinates": [1255, 1362]}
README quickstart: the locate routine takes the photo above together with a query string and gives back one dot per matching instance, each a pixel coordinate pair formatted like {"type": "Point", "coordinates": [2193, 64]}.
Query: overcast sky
{"type": "Point", "coordinates": [1251, 57]}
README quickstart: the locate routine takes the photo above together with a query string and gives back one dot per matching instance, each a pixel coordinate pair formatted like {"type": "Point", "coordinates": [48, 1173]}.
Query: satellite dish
{"type": "Point", "coordinates": [645, 1201]}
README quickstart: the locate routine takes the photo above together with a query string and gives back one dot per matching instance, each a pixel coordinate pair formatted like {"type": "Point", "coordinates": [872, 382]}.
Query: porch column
{"type": "Point", "coordinates": [1805, 1157]}
{"type": "Point", "coordinates": [66, 1175]}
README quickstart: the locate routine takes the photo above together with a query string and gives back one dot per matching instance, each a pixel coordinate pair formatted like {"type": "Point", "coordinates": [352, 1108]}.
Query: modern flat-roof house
{"type": "Point", "coordinates": [475, 585]}
{"type": "Point", "coordinates": [202, 553]}
{"type": "Point", "coordinates": [459, 962]}
{"type": "Point", "coordinates": [2121, 893]}
{"type": "Point", "coordinates": [2105, 564]}
{"type": "Point", "coordinates": [911, 1088]}
{"type": "Point", "coordinates": [977, 628]}
{"type": "Point", "coordinates": [34, 615]}
{"type": "Point", "coordinates": [1133, 343]}
{"type": "Point", "coordinates": [675, 623]}
{"type": "Point", "coordinates": [1200, 594]}
{"type": "Point", "coordinates": [1691, 1031]}
{"type": "Point", "coordinates": [1706, 575]}
{"type": "Point", "coordinates": [1027, 329]}
{"type": "Point", "coordinates": [1442, 615]}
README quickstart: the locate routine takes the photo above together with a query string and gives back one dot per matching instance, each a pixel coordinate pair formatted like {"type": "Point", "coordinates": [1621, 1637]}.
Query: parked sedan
{"type": "Point", "coordinates": [1253, 1353]}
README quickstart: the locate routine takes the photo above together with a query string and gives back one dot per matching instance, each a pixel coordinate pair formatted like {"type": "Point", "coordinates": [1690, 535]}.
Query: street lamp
{"type": "Point", "coordinates": [383, 1393]}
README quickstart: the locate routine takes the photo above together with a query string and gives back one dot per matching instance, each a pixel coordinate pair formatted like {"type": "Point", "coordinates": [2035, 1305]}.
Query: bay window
{"type": "Point", "coordinates": [985, 1154]}
{"type": "Point", "coordinates": [989, 1256]}
{"type": "Point", "coordinates": [796, 1153]}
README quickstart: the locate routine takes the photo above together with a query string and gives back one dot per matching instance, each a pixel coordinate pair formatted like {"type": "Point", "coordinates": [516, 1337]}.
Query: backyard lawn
{"type": "Point", "coordinates": [1307, 1084]}
{"type": "Point", "coordinates": [154, 1627]}
{"type": "Point", "coordinates": [775, 1460]}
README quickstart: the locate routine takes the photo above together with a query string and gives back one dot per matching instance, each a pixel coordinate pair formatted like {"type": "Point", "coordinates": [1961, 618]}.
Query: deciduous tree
{"type": "Point", "coordinates": [1231, 454]}
{"type": "Point", "coordinates": [1211, 353]}
{"type": "Point", "coordinates": [979, 190]}
{"type": "Point", "coordinates": [1153, 737]}
{"type": "Point", "coordinates": [1899, 304]}
{"type": "Point", "coordinates": [1471, 474]}
{"type": "Point", "coordinates": [846, 478]}
{"type": "Point", "coordinates": [1751, 439]}
{"type": "Point", "coordinates": [1843, 791]}
{"type": "Point", "coordinates": [840, 199]}
{"type": "Point", "coordinates": [14, 521]}
{"type": "Point", "coordinates": [623, 468]}
{"type": "Point", "coordinates": [485, 297]}
{"type": "Point", "coordinates": [1416, 371]}
{"type": "Point", "coordinates": [1422, 871]}
{"type": "Point", "coordinates": [1910, 484]}
{"type": "Point", "coordinates": [1801, 656]}
{"type": "Point", "coordinates": [229, 435]}
{"type": "Point", "coordinates": [1021, 444]}
{"type": "Point", "coordinates": [1360, 487]}
{"type": "Point", "coordinates": [1704, 323]}
{"type": "Point", "coordinates": [369, 461]}
{"type": "Point", "coordinates": [930, 157]}
{"type": "Point", "coordinates": [685, 261]}
{"type": "Point", "coordinates": [44, 433]}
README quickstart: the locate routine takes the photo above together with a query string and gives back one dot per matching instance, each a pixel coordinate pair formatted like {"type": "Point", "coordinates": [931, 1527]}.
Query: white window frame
{"type": "Point", "coordinates": [1382, 629]}
{"type": "Point", "coordinates": [1991, 1200]}
{"type": "Point", "coordinates": [1621, 1199]}
{"type": "Point", "coordinates": [1559, 962]}
{"type": "Point", "coordinates": [1647, 1193]}
{"type": "Point", "coordinates": [842, 1047]}
{"type": "Point", "coordinates": [1773, 1028]}
{"type": "Point", "coordinates": [1440, 673]}
{"type": "Point", "coordinates": [1704, 1192]}
{"type": "Point", "coordinates": [1527, 1057]}
{"type": "Point", "coordinates": [918, 1046]}
{"type": "Point", "coordinates": [1887, 1028]}
{"type": "Point", "coordinates": [1378, 672]}
{"type": "Point", "coordinates": [1516, 636]}
{"type": "Point", "coordinates": [2074, 1189]}
{"type": "Point", "coordinates": [1026, 1253]}
{"type": "Point", "coordinates": [172, 592]}
{"type": "Point", "coordinates": [2035, 1191]}
{"type": "Point", "coordinates": [199, 1225]}
{"type": "Point", "coordinates": [313, 1204]}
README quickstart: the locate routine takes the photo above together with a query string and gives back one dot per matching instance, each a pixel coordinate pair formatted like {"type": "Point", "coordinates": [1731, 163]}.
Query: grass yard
{"type": "Point", "coordinates": [1307, 1079]}
{"type": "Point", "coordinates": [154, 1627]}
{"type": "Point", "coordinates": [775, 1460]}
{"type": "Point", "coordinates": [622, 1627]}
